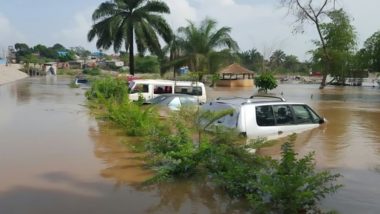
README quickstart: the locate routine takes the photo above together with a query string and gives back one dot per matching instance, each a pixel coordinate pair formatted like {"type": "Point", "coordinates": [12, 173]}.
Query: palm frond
{"type": "Point", "coordinates": [160, 26]}
{"type": "Point", "coordinates": [105, 9]}
{"type": "Point", "coordinates": [153, 7]}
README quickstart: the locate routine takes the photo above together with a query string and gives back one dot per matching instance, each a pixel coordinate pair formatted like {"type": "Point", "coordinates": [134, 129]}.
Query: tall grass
{"type": "Point", "coordinates": [111, 95]}
{"type": "Point", "coordinates": [108, 89]}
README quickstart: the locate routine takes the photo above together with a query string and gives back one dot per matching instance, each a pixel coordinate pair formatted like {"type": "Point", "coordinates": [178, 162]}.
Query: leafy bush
{"type": "Point", "coordinates": [172, 154]}
{"type": "Point", "coordinates": [66, 71]}
{"type": "Point", "coordinates": [130, 116]}
{"type": "Point", "coordinates": [107, 88]}
{"type": "Point", "coordinates": [291, 185]}
{"type": "Point", "coordinates": [266, 81]}
{"type": "Point", "coordinates": [147, 64]}
{"type": "Point", "coordinates": [91, 71]}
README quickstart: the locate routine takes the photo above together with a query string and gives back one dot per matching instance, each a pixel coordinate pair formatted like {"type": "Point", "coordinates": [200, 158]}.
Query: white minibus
{"type": "Point", "coordinates": [149, 89]}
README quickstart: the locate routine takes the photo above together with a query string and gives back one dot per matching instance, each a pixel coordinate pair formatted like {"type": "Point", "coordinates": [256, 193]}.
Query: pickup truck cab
{"type": "Point", "coordinates": [265, 116]}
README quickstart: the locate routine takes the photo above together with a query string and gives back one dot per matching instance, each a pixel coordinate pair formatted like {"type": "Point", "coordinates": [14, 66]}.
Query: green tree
{"type": "Point", "coordinates": [58, 47]}
{"type": "Point", "coordinates": [116, 22]}
{"type": "Point", "coordinates": [199, 42]}
{"type": "Point", "coordinates": [147, 64]}
{"type": "Point", "coordinates": [371, 53]}
{"type": "Point", "coordinates": [22, 51]}
{"type": "Point", "coordinates": [171, 56]}
{"type": "Point", "coordinates": [277, 59]}
{"type": "Point", "coordinates": [266, 81]}
{"type": "Point", "coordinates": [340, 40]}
{"type": "Point", "coordinates": [292, 64]}
{"type": "Point", "coordinates": [68, 56]}
{"type": "Point", "coordinates": [252, 59]}
{"type": "Point", "coordinates": [306, 12]}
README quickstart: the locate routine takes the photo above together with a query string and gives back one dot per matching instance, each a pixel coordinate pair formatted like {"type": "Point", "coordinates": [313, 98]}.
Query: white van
{"type": "Point", "coordinates": [149, 89]}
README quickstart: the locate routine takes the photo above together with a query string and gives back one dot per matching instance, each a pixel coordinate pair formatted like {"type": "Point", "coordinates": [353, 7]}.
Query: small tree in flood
{"type": "Point", "coordinates": [265, 82]}
{"type": "Point", "coordinates": [292, 185]}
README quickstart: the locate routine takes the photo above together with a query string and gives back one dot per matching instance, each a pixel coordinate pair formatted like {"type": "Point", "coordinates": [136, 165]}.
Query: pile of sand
{"type": "Point", "coordinates": [11, 73]}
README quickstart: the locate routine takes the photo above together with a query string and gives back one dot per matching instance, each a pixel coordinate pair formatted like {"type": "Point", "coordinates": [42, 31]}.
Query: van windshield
{"type": "Point", "coordinates": [138, 88]}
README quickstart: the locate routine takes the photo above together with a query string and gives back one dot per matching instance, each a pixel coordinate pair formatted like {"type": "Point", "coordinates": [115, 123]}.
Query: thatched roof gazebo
{"type": "Point", "coordinates": [236, 71]}
{"type": "Point", "coordinates": [235, 75]}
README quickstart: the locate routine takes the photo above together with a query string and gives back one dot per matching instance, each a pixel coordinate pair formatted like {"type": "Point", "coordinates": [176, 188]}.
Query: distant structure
{"type": "Point", "coordinates": [235, 75]}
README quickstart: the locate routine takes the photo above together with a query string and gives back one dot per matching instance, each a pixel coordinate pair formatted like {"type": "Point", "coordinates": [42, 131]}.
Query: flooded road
{"type": "Point", "coordinates": [57, 158]}
{"type": "Point", "coordinates": [349, 143]}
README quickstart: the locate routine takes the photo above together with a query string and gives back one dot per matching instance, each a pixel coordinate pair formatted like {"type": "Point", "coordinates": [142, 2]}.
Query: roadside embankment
{"type": "Point", "coordinates": [11, 73]}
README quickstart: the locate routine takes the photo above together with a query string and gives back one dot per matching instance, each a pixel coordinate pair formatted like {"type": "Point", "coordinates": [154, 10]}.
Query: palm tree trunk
{"type": "Point", "coordinates": [131, 51]}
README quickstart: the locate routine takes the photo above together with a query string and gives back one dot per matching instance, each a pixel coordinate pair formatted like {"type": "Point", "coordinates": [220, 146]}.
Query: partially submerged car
{"type": "Point", "coordinates": [81, 81]}
{"type": "Point", "coordinates": [264, 116]}
{"type": "Point", "coordinates": [173, 101]}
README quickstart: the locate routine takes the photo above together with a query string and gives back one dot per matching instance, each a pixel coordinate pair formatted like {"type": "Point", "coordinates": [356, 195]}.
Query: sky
{"type": "Point", "coordinates": [259, 24]}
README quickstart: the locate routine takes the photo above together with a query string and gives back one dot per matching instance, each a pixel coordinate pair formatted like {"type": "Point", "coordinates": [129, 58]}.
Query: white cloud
{"type": "Point", "coordinates": [263, 26]}
{"type": "Point", "coordinates": [76, 33]}
{"type": "Point", "coordinates": [365, 16]}
{"type": "Point", "coordinates": [260, 26]}
{"type": "Point", "coordinates": [9, 35]}
{"type": "Point", "coordinates": [180, 12]}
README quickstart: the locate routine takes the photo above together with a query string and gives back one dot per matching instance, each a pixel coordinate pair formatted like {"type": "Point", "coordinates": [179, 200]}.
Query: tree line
{"type": "Point", "coordinates": [131, 25]}
{"type": "Point", "coordinates": [40, 54]}
{"type": "Point", "coordinates": [206, 47]}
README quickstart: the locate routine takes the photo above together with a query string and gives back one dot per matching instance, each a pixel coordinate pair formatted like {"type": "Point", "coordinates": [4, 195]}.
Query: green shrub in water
{"type": "Point", "coordinates": [91, 71]}
{"type": "Point", "coordinates": [134, 119]}
{"type": "Point", "coordinates": [292, 185]}
{"type": "Point", "coordinates": [172, 151]}
{"type": "Point", "coordinates": [108, 88]}
{"type": "Point", "coordinates": [266, 81]}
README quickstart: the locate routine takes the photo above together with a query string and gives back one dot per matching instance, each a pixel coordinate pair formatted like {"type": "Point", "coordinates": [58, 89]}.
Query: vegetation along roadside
{"type": "Point", "coordinates": [179, 147]}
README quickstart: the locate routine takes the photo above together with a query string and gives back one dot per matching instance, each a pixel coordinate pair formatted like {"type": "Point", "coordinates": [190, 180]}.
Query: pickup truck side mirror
{"type": "Point", "coordinates": [322, 121]}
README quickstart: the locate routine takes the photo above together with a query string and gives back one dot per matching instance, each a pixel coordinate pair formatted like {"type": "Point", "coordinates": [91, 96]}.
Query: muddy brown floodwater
{"type": "Point", "coordinates": [55, 157]}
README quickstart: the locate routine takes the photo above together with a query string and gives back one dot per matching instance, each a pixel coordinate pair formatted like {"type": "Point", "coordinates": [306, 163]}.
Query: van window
{"type": "Point", "coordinates": [191, 90]}
{"type": "Point", "coordinates": [283, 115]}
{"type": "Point", "coordinates": [264, 116]}
{"type": "Point", "coordinates": [302, 114]}
{"type": "Point", "coordinates": [140, 88]}
{"type": "Point", "coordinates": [163, 89]}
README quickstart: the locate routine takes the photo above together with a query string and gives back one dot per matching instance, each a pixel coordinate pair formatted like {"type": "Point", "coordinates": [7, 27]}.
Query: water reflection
{"type": "Point", "coordinates": [126, 168]}
{"type": "Point", "coordinates": [122, 165]}
{"type": "Point", "coordinates": [195, 196]}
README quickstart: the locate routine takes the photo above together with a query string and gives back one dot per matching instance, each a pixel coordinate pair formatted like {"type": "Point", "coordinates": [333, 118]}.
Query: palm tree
{"type": "Point", "coordinates": [118, 21]}
{"type": "Point", "coordinates": [277, 58]}
{"type": "Point", "coordinates": [171, 56]}
{"type": "Point", "coordinates": [199, 43]}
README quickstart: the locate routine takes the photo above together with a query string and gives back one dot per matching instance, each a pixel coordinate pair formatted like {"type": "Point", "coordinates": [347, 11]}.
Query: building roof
{"type": "Point", "coordinates": [235, 69]}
